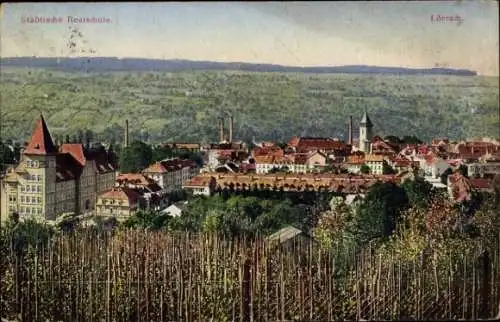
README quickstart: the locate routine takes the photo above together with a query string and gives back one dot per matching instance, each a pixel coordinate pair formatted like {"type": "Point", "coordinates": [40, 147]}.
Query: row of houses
{"type": "Point", "coordinates": [210, 183]}
{"type": "Point", "coordinates": [148, 190]}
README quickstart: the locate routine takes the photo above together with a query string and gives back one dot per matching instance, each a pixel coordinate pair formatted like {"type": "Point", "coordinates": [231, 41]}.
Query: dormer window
{"type": "Point", "coordinates": [37, 146]}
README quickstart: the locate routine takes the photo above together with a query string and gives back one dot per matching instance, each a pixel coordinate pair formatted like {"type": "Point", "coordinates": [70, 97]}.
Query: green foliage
{"type": "Point", "coordinates": [365, 169]}
{"type": "Point", "coordinates": [387, 169]}
{"type": "Point", "coordinates": [393, 139]}
{"type": "Point", "coordinates": [147, 219]}
{"type": "Point", "coordinates": [238, 215]}
{"type": "Point", "coordinates": [8, 155]}
{"type": "Point", "coordinates": [162, 153]}
{"type": "Point", "coordinates": [26, 234]}
{"type": "Point", "coordinates": [419, 192]}
{"type": "Point", "coordinates": [379, 212]}
{"type": "Point", "coordinates": [334, 229]}
{"type": "Point", "coordinates": [411, 139]}
{"type": "Point", "coordinates": [283, 169]}
{"type": "Point", "coordinates": [269, 106]}
{"type": "Point", "coordinates": [136, 157]}
{"type": "Point", "coordinates": [178, 195]}
{"type": "Point", "coordinates": [463, 170]}
{"type": "Point", "coordinates": [444, 176]}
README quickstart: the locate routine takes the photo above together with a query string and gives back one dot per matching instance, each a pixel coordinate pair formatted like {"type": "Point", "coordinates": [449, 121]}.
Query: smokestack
{"type": "Point", "coordinates": [126, 134]}
{"type": "Point", "coordinates": [350, 131]}
{"type": "Point", "coordinates": [231, 129]}
{"type": "Point", "coordinates": [221, 130]}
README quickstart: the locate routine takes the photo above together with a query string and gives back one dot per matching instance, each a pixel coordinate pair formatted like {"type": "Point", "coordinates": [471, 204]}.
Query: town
{"type": "Point", "coordinates": [77, 179]}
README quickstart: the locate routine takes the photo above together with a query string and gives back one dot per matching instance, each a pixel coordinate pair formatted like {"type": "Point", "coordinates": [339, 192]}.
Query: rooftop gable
{"type": "Point", "coordinates": [41, 142]}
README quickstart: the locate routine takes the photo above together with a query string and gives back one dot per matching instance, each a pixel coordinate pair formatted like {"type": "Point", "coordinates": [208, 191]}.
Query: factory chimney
{"type": "Point", "coordinates": [350, 131]}
{"type": "Point", "coordinates": [221, 130]}
{"type": "Point", "coordinates": [231, 129]}
{"type": "Point", "coordinates": [126, 134]}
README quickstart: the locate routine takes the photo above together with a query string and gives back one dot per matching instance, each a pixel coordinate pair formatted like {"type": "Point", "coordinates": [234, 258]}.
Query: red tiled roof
{"type": "Point", "coordinates": [199, 181]}
{"type": "Point", "coordinates": [301, 158]}
{"type": "Point", "coordinates": [122, 194]}
{"type": "Point", "coordinates": [272, 150]}
{"type": "Point", "coordinates": [169, 165]}
{"type": "Point", "coordinates": [41, 142]}
{"type": "Point", "coordinates": [356, 159]}
{"type": "Point", "coordinates": [306, 144]}
{"type": "Point", "coordinates": [382, 145]}
{"type": "Point", "coordinates": [77, 151]}
{"type": "Point", "coordinates": [480, 183]}
{"type": "Point", "coordinates": [139, 180]}
{"type": "Point", "coordinates": [423, 149]}
{"type": "Point", "coordinates": [67, 168]}
{"type": "Point", "coordinates": [327, 181]}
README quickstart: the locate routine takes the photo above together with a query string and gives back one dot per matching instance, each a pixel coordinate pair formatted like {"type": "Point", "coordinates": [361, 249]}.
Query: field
{"type": "Point", "coordinates": [153, 276]}
{"type": "Point", "coordinates": [185, 106]}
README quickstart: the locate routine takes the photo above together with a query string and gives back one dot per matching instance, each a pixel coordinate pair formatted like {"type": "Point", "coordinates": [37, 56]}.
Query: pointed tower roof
{"type": "Point", "coordinates": [41, 142]}
{"type": "Point", "coordinates": [366, 120]}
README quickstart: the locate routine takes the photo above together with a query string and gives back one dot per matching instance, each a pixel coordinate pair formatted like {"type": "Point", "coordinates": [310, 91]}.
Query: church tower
{"type": "Point", "coordinates": [365, 133]}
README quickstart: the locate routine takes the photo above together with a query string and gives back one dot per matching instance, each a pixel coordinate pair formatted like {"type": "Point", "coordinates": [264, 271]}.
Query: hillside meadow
{"type": "Point", "coordinates": [185, 106]}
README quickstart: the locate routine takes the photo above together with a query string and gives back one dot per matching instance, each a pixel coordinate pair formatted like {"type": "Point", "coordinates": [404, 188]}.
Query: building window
{"type": "Point", "coordinates": [29, 163]}
{"type": "Point", "coordinates": [38, 188]}
{"type": "Point", "coordinates": [22, 199]}
{"type": "Point", "coordinates": [23, 189]}
{"type": "Point", "coordinates": [39, 200]}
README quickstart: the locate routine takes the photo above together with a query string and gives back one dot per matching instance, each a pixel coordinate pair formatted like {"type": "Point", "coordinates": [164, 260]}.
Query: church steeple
{"type": "Point", "coordinates": [365, 120]}
{"type": "Point", "coordinates": [365, 133]}
{"type": "Point", "coordinates": [41, 142]}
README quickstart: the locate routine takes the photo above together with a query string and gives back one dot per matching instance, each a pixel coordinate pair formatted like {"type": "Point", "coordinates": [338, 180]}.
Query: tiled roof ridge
{"type": "Point", "coordinates": [41, 141]}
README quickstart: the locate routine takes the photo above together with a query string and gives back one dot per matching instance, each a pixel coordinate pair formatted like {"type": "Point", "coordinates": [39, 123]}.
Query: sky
{"type": "Point", "coordinates": [405, 34]}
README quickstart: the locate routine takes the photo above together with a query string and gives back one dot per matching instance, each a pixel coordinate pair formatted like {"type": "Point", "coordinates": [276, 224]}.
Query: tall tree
{"type": "Point", "coordinates": [136, 157]}
{"type": "Point", "coordinates": [419, 192]}
{"type": "Point", "coordinates": [379, 212]}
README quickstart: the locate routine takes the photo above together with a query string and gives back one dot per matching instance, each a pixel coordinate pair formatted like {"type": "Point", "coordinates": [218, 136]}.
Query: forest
{"type": "Point", "coordinates": [185, 106]}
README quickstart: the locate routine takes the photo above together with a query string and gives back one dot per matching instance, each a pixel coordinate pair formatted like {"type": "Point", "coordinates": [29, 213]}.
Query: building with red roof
{"type": "Point", "coordinates": [171, 173]}
{"type": "Point", "coordinates": [50, 180]}
{"type": "Point", "coordinates": [328, 146]}
{"type": "Point", "coordinates": [120, 203]}
{"type": "Point", "coordinates": [294, 162]}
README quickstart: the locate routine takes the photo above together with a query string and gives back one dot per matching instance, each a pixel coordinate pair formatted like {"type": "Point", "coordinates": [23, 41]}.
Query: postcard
{"type": "Point", "coordinates": [249, 161]}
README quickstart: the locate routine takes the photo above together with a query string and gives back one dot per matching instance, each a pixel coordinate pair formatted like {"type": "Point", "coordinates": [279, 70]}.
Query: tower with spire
{"type": "Point", "coordinates": [51, 180]}
{"type": "Point", "coordinates": [365, 133]}
{"type": "Point", "coordinates": [40, 161]}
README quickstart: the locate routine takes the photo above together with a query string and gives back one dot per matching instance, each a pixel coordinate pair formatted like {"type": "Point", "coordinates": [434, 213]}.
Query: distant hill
{"type": "Point", "coordinates": [106, 64]}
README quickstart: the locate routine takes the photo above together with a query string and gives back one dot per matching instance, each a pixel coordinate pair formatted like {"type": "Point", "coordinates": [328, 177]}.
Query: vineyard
{"type": "Point", "coordinates": [139, 275]}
